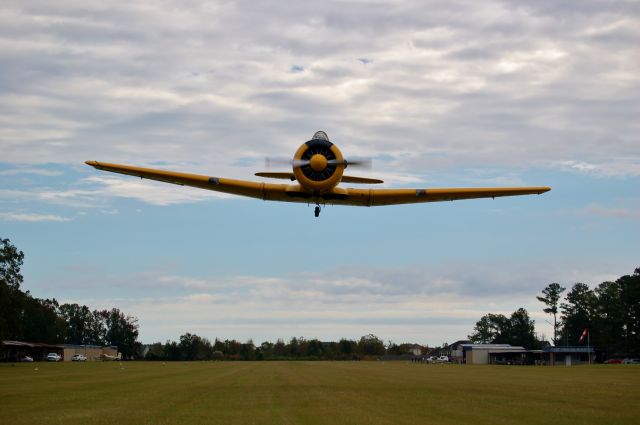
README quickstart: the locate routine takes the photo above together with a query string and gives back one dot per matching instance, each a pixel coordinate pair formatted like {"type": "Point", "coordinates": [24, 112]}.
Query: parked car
{"type": "Point", "coordinates": [79, 358]}
{"type": "Point", "coordinates": [27, 359]}
{"type": "Point", "coordinates": [442, 359]}
{"type": "Point", "coordinates": [613, 361]}
{"type": "Point", "coordinates": [54, 357]}
{"type": "Point", "coordinates": [631, 361]}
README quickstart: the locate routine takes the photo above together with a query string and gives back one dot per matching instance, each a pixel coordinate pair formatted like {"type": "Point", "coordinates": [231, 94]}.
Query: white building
{"type": "Point", "coordinates": [479, 353]}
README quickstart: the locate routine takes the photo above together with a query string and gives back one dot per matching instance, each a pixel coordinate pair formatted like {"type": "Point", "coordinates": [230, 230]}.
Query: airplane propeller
{"type": "Point", "coordinates": [365, 163]}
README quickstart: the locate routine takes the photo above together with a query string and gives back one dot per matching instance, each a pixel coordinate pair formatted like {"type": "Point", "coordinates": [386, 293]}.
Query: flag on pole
{"type": "Point", "coordinates": [584, 333]}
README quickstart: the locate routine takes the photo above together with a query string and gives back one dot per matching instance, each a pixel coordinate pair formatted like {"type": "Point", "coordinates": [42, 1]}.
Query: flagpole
{"type": "Point", "coordinates": [588, 343]}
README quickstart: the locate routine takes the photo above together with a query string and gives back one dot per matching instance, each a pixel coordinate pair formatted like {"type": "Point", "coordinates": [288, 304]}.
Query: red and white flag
{"type": "Point", "coordinates": [584, 333]}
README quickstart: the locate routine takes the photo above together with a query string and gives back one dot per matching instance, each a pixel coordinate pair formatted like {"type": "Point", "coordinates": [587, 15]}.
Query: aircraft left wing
{"type": "Point", "coordinates": [377, 197]}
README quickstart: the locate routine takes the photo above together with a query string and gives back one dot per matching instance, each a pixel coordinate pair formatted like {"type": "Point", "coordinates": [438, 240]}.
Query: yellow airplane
{"type": "Point", "coordinates": [318, 167]}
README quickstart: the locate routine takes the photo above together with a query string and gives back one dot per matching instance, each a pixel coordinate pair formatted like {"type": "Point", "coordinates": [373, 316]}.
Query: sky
{"type": "Point", "coordinates": [438, 93]}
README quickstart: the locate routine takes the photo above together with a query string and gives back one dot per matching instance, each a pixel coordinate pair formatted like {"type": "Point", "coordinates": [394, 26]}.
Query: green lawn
{"type": "Point", "coordinates": [316, 393]}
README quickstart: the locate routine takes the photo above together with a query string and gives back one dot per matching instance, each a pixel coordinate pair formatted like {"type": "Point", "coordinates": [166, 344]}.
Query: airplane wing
{"type": "Point", "coordinates": [295, 193]}
{"type": "Point", "coordinates": [375, 197]}
{"type": "Point", "coordinates": [236, 187]}
{"type": "Point", "coordinates": [259, 190]}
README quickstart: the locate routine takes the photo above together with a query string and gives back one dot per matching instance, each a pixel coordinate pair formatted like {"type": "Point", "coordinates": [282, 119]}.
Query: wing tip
{"type": "Point", "coordinates": [92, 163]}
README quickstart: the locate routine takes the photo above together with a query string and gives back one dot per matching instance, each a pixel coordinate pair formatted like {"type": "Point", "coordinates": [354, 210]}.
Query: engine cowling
{"type": "Point", "coordinates": [318, 164]}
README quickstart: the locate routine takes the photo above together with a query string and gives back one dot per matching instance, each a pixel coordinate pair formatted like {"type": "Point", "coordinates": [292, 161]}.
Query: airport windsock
{"type": "Point", "coordinates": [584, 333]}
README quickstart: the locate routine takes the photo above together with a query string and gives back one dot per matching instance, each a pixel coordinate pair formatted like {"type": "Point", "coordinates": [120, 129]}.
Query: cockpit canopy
{"type": "Point", "coordinates": [320, 135]}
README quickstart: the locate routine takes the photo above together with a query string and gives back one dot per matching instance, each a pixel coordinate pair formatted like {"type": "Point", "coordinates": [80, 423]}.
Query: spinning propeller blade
{"type": "Point", "coordinates": [297, 163]}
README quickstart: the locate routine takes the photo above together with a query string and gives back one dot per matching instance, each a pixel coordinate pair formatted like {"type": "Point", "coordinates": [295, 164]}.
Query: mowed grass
{"type": "Point", "coordinates": [316, 393]}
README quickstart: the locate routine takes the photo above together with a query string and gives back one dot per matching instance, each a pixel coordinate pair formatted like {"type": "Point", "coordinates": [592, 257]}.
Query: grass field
{"type": "Point", "coordinates": [316, 393]}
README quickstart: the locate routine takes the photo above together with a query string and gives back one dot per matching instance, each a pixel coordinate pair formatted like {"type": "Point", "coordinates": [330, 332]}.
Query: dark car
{"type": "Point", "coordinates": [613, 361]}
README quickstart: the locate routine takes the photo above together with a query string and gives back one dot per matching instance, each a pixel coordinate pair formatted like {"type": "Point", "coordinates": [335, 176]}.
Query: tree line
{"type": "Point", "coordinates": [610, 314]}
{"type": "Point", "coordinates": [518, 329]}
{"type": "Point", "coordinates": [27, 318]}
{"type": "Point", "coordinates": [194, 347]}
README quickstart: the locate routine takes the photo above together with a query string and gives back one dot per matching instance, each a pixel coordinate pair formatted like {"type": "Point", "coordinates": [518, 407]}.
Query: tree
{"type": "Point", "coordinates": [231, 349]}
{"type": "Point", "coordinates": [121, 330]}
{"type": "Point", "coordinates": [12, 300]}
{"type": "Point", "coordinates": [371, 345]}
{"type": "Point", "coordinates": [630, 308]}
{"type": "Point", "coordinates": [41, 322]}
{"type": "Point", "coordinates": [577, 312]}
{"type": "Point", "coordinates": [315, 348]}
{"type": "Point", "coordinates": [10, 262]}
{"type": "Point", "coordinates": [518, 329]}
{"type": "Point", "coordinates": [265, 350]}
{"type": "Point", "coordinates": [551, 298]}
{"type": "Point", "coordinates": [522, 330]}
{"type": "Point", "coordinates": [23, 317]}
{"type": "Point", "coordinates": [193, 347]}
{"type": "Point", "coordinates": [294, 346]}
{"type": "Point", "coordinates": [79, 321]}
{"type": "Point", "coordinates": [171, 351]}
{"type": "Point", "coordinates": [607, 329]}
{"type": "Point", "coordinates": [279, 348]}
{"type": "Point", "coordinates": [156, 352]}
{"type": "Point", "coordinates": [248, 350]}
{"type": "Point", "coordinates": [393, 348]}
{"type": "Point", "coordinates": [347, 348]}
{"type": "Point", "coordinates": [330, 350]}
{"type": "Point", "coordinates": [490, 328]}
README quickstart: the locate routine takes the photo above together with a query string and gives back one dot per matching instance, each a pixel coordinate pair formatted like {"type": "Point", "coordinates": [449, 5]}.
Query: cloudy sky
{"type": "Point", "coordinates": [439, 93]}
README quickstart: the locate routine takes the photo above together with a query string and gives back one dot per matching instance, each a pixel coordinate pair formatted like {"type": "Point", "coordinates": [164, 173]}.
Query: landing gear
{"type": "Point", "coordinates": [317, 210]}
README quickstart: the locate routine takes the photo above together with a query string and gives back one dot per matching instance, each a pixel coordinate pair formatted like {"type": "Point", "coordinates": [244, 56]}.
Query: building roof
{"type": "Point", "coordinates": [90, 346]}
{"type": "Point", "coordinates": [29, 344]}
{"type": "Point", "coordinates": [490, 346]}
{"type": "Point", "coordinates": [459, 342]}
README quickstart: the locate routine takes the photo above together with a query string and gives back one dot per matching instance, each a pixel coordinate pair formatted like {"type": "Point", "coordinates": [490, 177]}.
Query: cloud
{"type": "Point", "coordinates": [502, 84]}
{"type": "Point", "coordinates": [423, 303]}
{"type": "Point", "coordinates": [98, 191]}
{"type": "Point", "coordinates": [426, 88]}
{"type": "Point", "coordinates": [614, 167]}
{"type": "Point", "coordinates": [30, 170]}
{"type": "Point", "coordinates": [612, 212]}
{"type": "Point", "coordinates": [31, 217]}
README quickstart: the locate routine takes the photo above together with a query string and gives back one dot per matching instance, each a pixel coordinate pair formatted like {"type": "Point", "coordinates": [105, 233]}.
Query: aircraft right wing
{"type": "Point", "coordinates": [259, 190]}
{"type": "Point", "coordinates": [237, 187]}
